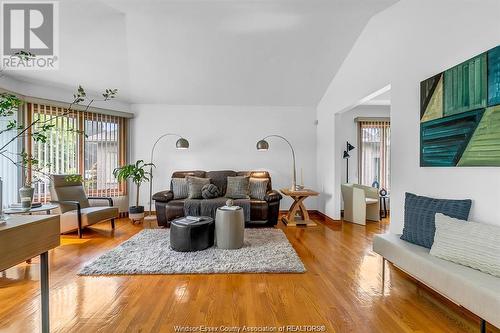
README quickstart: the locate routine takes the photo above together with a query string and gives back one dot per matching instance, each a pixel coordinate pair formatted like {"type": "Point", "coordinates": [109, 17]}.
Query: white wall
{"type": "Point", "coordinates": [405, 44]}
{"type": "Point", "coordinates": [224, 138]}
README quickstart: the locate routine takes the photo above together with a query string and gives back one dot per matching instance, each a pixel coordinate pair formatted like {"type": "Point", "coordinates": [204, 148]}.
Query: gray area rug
{"type": "Point", "coordinates": [149, 252]}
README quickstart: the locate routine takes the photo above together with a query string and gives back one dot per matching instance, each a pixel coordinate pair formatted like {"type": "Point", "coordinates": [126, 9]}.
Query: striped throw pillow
{"type": "Point", "coordinates": [180, 188]}
{"type": "Point", "coordinates": [258, 188]}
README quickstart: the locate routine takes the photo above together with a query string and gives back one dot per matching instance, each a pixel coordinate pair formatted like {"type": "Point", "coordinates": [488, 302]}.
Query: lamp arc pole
{"type": "Point", "coordinates": [294, 179]}
{"type": "Point", "coordinates": [179, 145]}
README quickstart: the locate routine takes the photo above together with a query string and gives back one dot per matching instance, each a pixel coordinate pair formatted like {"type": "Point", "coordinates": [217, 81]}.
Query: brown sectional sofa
{"type": "Point", "coordinates": [262, 212]}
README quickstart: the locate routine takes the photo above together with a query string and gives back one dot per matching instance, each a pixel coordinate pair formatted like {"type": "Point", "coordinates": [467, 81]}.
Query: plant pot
{"type": "Point", "coordinates": [26, 196]}
{"type": "Point", "coordinates": [136, 209]}
{"type": "Point", "coordinates": [136, 213]}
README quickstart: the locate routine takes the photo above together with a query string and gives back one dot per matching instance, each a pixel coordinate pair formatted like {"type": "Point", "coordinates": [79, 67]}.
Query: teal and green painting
{"type": "Point", "coordinates": [460, 114]}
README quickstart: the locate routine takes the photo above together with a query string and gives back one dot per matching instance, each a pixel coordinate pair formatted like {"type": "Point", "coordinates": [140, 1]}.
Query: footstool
{"type": "Point", "coordinates": [229, 228]}
{"type": "Point", "coordinates": [194, 236]}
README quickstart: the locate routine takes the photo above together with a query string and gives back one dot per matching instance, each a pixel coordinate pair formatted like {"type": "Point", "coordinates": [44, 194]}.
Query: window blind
{"type": "Point", "coordinates": [84, 143]}
{"type": "Point", "coordinates": [374, 153]}
{"type": "Point", "coordinates": [104, 150]}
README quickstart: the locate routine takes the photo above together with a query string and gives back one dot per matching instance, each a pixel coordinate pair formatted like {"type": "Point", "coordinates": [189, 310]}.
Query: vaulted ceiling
{"type": "Point", "coordinates": [207, 52]}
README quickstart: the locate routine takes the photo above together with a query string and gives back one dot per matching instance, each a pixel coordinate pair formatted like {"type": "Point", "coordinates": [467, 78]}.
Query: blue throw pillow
{"type": "Point", "coordinates": [419, 224]}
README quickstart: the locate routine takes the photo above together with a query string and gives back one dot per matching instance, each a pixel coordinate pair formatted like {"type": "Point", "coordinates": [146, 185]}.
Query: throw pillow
{"type": "Point", "coordinates": [180, 188]}
{"type": "Point", "coordinates": [419, 224]}
{"type": "Point", "coordinates": [195, 185]}
{"type": "Point", "coordinates": [258, 188]}
{"type": "Point", "coordinates": [210, 191]}
{"type": "Point", "coordinates": [469, 244]}
{"type": "Point", "coordinates": [237, 187]}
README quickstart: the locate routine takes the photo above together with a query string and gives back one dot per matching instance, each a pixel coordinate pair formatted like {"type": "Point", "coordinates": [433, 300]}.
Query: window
{"type": "Point", "coordinates": [8, 171]}
{"type": "Point", "coordinates": [93, 155]}
{"type": "Point", "coordinates": [374, 153]}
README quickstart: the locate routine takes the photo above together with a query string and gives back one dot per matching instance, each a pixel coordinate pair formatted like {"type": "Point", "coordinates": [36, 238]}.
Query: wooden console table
{"type": "Point", "coordinates": [297, 214]}
{"type": "Point", "coordinates": [25, 237]}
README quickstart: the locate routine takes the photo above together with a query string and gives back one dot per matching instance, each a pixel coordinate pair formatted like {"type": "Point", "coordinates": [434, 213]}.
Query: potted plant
{"type": "Point", "coordinates": [138, 174]}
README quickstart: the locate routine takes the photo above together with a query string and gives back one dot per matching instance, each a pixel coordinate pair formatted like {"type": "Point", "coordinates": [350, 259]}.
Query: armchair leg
{"type": "Point", "coordinates": [112, 223]}
{"type": "Point", "coordinates": [80, 229]}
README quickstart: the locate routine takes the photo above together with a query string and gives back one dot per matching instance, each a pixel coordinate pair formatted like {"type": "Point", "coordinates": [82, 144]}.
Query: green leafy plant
{"type": "Point", "coordinates": [40, 129]}
{"type": "Point", "coordinates": [136, 172]}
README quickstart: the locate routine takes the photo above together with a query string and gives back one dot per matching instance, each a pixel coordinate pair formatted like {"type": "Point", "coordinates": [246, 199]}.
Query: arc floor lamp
{"type": "Point", "coordinates": [263, 145]}
{"type": "Point", "coordinates": [181, 144]}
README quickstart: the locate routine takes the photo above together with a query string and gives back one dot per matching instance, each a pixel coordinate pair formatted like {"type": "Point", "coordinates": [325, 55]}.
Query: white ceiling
{"type": "Point", "coordinates": [206, 52]}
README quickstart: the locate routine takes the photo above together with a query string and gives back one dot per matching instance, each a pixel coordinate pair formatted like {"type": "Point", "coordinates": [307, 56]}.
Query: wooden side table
{"type": "Point", "coordinates": [24, 237]}
{"type": "Point", "coordinates": [297, 214]}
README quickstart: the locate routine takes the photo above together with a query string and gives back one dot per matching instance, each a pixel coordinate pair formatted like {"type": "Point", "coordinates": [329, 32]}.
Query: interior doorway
{"type": "Point", "coordinates": [363, 135]}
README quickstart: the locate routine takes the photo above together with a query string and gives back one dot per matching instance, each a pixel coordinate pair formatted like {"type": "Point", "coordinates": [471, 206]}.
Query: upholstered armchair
{"type": "Point", "coordinates": [76, 212]}
{"type": "Point", "coordinates": [361, 203]}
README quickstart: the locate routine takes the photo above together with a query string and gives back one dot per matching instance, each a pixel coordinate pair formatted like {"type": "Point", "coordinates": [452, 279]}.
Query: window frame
{"type": "Point", "coordinates": [81, 118]}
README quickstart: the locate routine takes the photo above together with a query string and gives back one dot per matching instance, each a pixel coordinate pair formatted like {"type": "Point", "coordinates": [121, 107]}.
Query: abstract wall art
{"type": "Point", "coordinates": [460, 114]}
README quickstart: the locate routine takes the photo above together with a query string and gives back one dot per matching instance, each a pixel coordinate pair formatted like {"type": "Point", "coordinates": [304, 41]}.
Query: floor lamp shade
{"type": "Point", "coordinates": [346, 156]}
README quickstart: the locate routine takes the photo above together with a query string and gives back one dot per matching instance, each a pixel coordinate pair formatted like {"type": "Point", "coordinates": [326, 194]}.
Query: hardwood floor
{"type": "Point", "coordinates": [341, 289]}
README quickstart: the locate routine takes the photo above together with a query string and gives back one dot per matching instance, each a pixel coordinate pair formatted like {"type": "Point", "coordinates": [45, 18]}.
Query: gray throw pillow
{"type": "Point", "coordinates": [195, 185]}
{"type": "Point", "coordinates": [258, 188]}
{"type": "Point", "coordinates": [180, 188]}
{"type": "Point", "coordinates": [210, 191]}
{"type": "Point", "coordinates": [238, 187]}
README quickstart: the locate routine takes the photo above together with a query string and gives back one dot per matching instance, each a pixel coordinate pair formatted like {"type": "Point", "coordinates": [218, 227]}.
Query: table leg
{"type": "Point", "coordinates": [385, 207]}
{"type": "Point", "coordinates": [44, 285]}
{"type": "Point", "coordinates": [298, 208]}
{"type": "Point", "coordinates": [293, 210]}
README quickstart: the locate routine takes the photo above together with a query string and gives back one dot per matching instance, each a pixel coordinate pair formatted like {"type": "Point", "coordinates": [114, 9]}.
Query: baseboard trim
{"type": "Point", "coordinates": [317, 215]}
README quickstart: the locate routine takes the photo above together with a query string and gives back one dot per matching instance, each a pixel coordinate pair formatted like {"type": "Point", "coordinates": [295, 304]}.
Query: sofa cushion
{"type": "Point", "coordinates": [419, 224]}
{"type": "Point", "coordinates": [258, 188]}
{"type": "Point", "coordinates": [471, 244]}
{"type": "Point", "coordinates": [237, 187]}
{"type": "Point", "coordinates": [184, 174]}
{"type": "Point", "coordinates": [219, 178]}
{"type": "Point", "coordinates": [259, 175]}
{"type": "Point", "coordinates": [195, 185]}
{"type": "Point", "coordinates": [210, 191]}
{"type": "Point", "coordinates": [476, 291]}
{"type": "Point", "coordinates": [180, 188]}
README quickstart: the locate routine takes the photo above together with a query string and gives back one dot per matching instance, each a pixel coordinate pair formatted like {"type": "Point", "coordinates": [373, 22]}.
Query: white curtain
{"type": "Point", "coordinates": [8, 171]}
{"type": "Point", "coordinates": [374, 153]}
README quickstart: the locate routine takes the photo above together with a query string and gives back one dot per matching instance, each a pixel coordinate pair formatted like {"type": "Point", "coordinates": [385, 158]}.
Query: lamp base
{"type": "Point", "coordinates": [150, 222]}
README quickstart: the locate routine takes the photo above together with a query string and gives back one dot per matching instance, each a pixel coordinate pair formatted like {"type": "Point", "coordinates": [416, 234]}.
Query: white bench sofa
{"type": "Point", "coordinates": [474, 290]}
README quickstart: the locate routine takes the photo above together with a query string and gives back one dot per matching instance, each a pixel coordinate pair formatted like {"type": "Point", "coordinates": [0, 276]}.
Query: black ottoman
{"type": "Point", "coordinates": [194, 236]}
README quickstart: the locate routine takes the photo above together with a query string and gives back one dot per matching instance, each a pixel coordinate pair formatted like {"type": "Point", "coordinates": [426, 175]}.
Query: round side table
{"type": "Point", "coordinates": [229, 228]}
